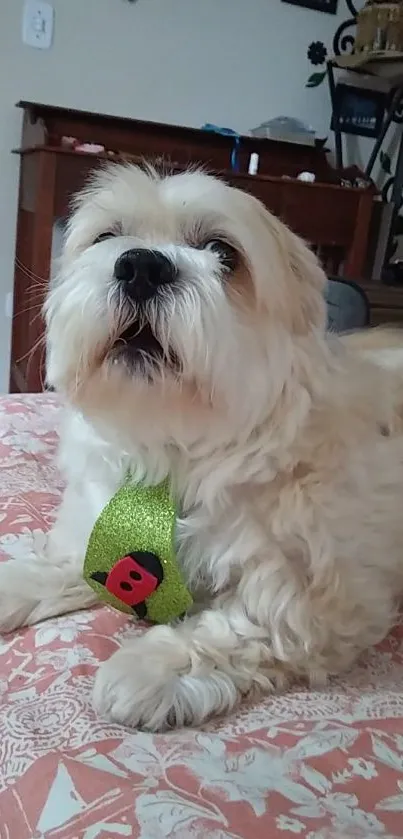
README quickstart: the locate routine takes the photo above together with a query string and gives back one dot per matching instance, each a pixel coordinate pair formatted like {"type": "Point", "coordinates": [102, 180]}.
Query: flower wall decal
{"type": "Point", "coordinates": [316, 54]}
{"type": "Point", "coordinates": [343, 41]}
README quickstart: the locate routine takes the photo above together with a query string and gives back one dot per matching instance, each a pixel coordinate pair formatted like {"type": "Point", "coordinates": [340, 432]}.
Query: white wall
{"type": "Point", "coordinates": [231, 62]}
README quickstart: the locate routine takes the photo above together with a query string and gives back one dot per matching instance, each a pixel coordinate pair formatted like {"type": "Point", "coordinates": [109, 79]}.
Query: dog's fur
{"type": "Point", "coordinates": [284, 449]}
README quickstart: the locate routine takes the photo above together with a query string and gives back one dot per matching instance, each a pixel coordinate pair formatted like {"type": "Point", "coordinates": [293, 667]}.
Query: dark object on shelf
{"type": "Point", "coordinates": [358, 110]}
{"type": "Point", "coordinates": [393, 273]}
{"type": "Point", "coordinates": [347, 305]}
{"type": "Point", "coordinates": [354, 176]}
{"type": "Point", "coordinates": [329, 6]}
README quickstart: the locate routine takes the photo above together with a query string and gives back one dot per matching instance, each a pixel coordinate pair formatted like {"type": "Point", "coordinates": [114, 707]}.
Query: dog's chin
{"type": "Point", "coordinates": [140, 352]}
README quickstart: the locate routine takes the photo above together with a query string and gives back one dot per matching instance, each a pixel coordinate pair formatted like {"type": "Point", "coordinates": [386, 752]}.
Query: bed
{"type": "Point", "coordinates": [322, 765]}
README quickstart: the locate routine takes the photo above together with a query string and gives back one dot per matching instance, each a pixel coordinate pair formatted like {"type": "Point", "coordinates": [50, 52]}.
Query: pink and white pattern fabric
{"type": "Point", "coordinates": [320, 765]}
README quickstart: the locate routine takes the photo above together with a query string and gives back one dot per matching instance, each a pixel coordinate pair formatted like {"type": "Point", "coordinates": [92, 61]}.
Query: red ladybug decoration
{"type": "Point", "coordinates": [133, 579]}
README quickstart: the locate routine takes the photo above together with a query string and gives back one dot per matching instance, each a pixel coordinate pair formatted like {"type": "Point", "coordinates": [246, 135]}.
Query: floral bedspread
{"type": "Point", "coordinates": [321, 765]}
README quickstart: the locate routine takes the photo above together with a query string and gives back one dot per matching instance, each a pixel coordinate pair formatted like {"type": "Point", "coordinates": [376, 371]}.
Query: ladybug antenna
{"type": "Point", "coordinates": [100, 577]}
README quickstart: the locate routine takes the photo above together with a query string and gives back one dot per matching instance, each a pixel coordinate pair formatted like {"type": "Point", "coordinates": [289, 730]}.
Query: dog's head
{"type": "Point", "coordinates": [178, 303]}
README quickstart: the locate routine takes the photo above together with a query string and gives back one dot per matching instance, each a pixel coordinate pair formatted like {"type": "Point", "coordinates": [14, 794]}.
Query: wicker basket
{"type": "Point", "coordinates": [380, 27]}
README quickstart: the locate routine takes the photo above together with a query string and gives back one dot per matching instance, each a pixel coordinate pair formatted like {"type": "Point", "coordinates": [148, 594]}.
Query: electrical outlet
{"type": "Point", "coordinates": [37, 24]}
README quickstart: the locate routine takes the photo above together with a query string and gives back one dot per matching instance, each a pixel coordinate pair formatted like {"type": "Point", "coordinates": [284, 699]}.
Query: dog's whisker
{"type": "Point", "coordinates": [40, 281]}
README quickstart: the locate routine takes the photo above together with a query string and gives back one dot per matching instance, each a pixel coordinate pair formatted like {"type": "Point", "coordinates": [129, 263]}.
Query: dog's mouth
{"type": "Point", "coordinates": [139, 347]}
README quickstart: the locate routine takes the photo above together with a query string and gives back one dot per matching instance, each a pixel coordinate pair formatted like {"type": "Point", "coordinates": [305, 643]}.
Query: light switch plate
{"type": "Point", "coordinates": [37, 24]}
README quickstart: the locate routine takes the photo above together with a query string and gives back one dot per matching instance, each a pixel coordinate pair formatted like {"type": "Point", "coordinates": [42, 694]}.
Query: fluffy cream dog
{"type": "Point", "coordinates": [186, 331]}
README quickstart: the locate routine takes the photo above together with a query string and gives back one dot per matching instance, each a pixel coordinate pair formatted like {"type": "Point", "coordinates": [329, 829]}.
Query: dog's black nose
{"type": "Point", "coordinates": [142, 272]}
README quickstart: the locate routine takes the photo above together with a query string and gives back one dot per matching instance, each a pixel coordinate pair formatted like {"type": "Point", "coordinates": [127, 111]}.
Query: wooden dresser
{"type": "Point", "coordinates": [335, 219]}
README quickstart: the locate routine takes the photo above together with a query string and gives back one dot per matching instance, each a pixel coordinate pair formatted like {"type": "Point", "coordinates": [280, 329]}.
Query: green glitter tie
{"type": "Point", "coordinates": [139, 518]}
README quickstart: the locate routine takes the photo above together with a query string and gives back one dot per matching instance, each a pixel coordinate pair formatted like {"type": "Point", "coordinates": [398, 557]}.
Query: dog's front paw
{"type": "Point", "coordinates": [151, 683]}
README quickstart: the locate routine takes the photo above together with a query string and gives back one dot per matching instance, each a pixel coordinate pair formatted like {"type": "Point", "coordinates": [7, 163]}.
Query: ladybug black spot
{"type": "Point", "coordinates": [135, 575]}
{"type": "Point", "coordinates": [125, 586]}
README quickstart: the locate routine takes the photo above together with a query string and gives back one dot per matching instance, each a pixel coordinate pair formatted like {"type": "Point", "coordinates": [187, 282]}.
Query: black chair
{"type": "Point", "coordinates": [347, 305]}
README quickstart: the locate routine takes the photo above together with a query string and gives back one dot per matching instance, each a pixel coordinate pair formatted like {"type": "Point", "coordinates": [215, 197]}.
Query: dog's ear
{"type": "Point", "coordinates": [299, 272]}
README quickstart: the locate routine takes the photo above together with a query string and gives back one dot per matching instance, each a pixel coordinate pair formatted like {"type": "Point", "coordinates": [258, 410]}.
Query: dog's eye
{"type": "Point", "coordinates": [225, 252]}
{"type": "Point", "coordinates": [108, 234]}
